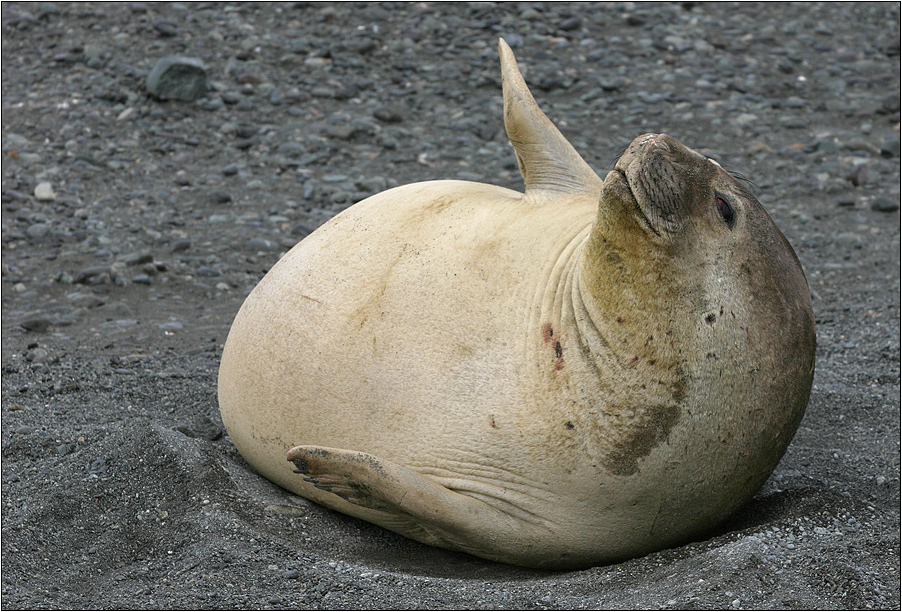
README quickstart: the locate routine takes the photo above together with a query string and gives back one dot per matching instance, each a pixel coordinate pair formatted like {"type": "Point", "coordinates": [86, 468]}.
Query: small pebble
{"type": "Point", "coordinates": [393, 113]}
{"type": "Point", "coordinates": [37, 231]}
{"type": "Point", "coordinates": [138, 258]}
{"type": "Point", "coordinates": [261, 244]}
{"type": "Point", "coordinates": [207, 271]}
{"type": "Point", "coordinates": [858, 175]}
{"type": "Point", "coordinates": [165, 28]}
{"type": "Point", "coordinates": [92, 275]}
{"type": "Point", "coordinates": [179, 246]}
{"type": "Point", "coordinates": [44, 192]}
{"type": "Point", "coordinates": [220, 197]}
{"type": "Point", "coordinates": [891, 145]}
{"type": "Point", "coordinates": [36, 355]}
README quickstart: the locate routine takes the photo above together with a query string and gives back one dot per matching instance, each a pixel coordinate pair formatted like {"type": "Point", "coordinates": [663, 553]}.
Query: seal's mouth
{"type": "Point", "coordinates": [619, 175]}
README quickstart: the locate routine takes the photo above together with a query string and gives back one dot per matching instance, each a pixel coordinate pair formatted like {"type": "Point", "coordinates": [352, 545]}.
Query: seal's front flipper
{"type": "Point", "coordinates": [394, 497]}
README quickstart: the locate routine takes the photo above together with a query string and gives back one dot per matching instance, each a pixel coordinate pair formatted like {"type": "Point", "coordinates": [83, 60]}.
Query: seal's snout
{"type": "Point", "coordinates": [654, 141]}
{"type": "Point", "coordinates": [648, 146]}
{"type": "Point", "coordinates": [655, 168]}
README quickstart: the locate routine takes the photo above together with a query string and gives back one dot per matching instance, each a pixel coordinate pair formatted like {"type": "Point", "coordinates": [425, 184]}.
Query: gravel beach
{"type": "Point", "coordinates": [142, 201]}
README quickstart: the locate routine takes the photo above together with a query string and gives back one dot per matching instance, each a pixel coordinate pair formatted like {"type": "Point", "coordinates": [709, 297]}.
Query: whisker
{"type": "Point", "coordinates": [619, 154]}
{"type": "Point", "coordinates": [752, 185]}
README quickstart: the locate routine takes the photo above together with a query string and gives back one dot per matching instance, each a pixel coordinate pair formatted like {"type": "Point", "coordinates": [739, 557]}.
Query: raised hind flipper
{"type": "Point", "coordinates": [548, 162]}
{"type": "Point", "coordinates": [400, 499]}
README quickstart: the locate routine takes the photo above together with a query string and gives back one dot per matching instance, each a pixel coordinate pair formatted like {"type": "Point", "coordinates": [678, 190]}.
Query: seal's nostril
{"type": "Point", "coordinates": [658, 141]}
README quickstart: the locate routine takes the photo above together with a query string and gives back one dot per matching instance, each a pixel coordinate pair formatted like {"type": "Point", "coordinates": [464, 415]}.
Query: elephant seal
{"type": "Point", "coordinates": [578, 374]}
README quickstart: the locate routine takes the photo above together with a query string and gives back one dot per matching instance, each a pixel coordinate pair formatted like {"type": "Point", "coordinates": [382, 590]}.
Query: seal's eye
{"type": "Point", "coordinates": [726, 210]}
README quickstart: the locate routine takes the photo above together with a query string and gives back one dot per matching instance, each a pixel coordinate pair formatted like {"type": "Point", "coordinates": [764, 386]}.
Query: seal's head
{"type": "Point", "coordinates": [669, 212]}
{"type": "Point", "coordinates": [692, 283]}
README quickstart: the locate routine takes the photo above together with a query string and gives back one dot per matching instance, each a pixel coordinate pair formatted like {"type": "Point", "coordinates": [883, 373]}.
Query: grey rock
{"type": "Point", "coordinates": [44, 192]}
{"type": "Point", "coordinates": [214, 103]}
{"type": "Point", "coordinates": [230, 97]}
{"type": "Point", "coordinates": [335, 178]}
{"type": "Point", "coordinates": [220, 197]}
{"type": "Point", "coordinates": [344, 131]}
{"type": "Point", "coordinates": [37, 231]}
{"type": "Point", "coordinates": [36, 355]}
{"type": "Point", "coordinates": [292, 149]}
{"type": "Point", "coordinates": [46, 9]}
{"type": "Point", "coordinates": [261, 244]}
{"type": "Point", "coordinates": [858, 175]}
{"type": "Point", "coordinates": [208, 272]}
{"type": "Point", "coordinates": [35, 324]}
{"type": "Point", "coordinates": [165, 28]}
{"type": "Point", "coordinates": [135, 259]}
{"type": "Point", "coordinates": [882, 204]}
{"type": "Point", "coordinates": [176, 77]}
{"type": "Point", "coordinates": [180, 245]}
{"type": "Point", "coordinates": [93, 275]}
{"type": "Point", "coordinates": [393, 113]}
{"type": "Point", "coordinates": [570, 23]}
{"type": "Point", "coordinates": [14, 141]}
{"type": "Point", "coordinates": [301, 229]}
{"type": "Point", "coordinates": [827, 146]}
{"type": "Point", "coordinates": [891, 145]}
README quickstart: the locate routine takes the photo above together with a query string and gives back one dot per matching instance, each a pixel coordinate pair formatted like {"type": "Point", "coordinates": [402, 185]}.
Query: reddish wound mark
{"type": "Point", "coordinates": [548, 338]}
{"type": "Point", "coordinates": [547, 332]}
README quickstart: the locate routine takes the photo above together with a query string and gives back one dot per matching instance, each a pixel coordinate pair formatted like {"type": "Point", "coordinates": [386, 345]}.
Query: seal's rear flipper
{"type": "Point", "coordinates": [394, 497]}
{"type": "Point", "coordinates": [547, 160]}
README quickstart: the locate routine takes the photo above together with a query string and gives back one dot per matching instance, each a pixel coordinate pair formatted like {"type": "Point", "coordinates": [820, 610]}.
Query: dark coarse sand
{"type": "Point", "coordinates": [133, 226]}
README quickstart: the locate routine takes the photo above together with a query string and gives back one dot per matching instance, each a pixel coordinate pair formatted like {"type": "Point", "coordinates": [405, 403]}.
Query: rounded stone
{"type": "Point", "coordinates": [176, 77]}
{"type": "Point", "coordinates": [883, 204]}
